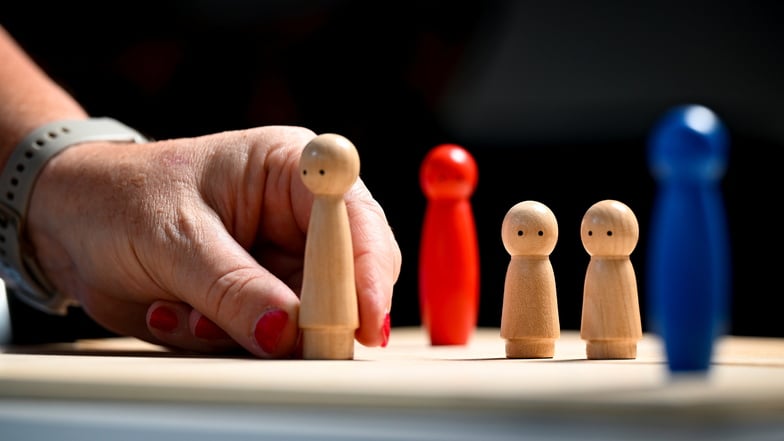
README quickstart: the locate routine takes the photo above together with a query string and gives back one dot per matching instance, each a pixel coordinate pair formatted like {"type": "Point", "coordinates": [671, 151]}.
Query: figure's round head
{"type": "Point", "coordinates": [529, 229]}
{"type": "Point", "coordinates": [448, 171]}
{"type": "Point", "coordinates": [609, 228]}
{"type": "Point", "coordinates": [329, 164]}
{"type": "Point", "coordinates": [689, 142]}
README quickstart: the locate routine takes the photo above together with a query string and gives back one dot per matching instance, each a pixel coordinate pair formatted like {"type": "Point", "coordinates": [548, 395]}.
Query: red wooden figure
{"type": "Point", "coordinates": [449, 251]}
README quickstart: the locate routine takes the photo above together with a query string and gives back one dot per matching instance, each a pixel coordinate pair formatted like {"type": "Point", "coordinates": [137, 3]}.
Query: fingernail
{"type": "Point", "coordinates": [208, 330]}
{"type": "Point", "coordinates": [386, 329]}
{"type": "Point", "coordinates": [163, 319]}
{"type": "Point", "coordinates": [269, 329]}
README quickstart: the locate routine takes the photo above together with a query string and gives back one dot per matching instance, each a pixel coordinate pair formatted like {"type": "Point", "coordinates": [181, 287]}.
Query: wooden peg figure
{"type": "Point", "coordinates": [449, 249]}
{"type": "Point", "coordinates": [529, 319]}
{"type": "Point", "coordinates": [328, 313]}
{"type": "Point", "coordinates": [611, 322]}
{"type": "Point", "coordinates": [689, 272]}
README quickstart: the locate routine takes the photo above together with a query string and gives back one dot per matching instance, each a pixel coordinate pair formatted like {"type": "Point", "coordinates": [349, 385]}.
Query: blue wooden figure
{"type": "Point", "coordinates": [689, 272]}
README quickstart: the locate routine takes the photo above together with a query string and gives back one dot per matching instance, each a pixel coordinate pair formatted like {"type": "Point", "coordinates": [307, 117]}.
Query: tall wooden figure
{"type": "Point", "coordinates": [611, 322]}
{"type": "Point", "coordinates": [449, 250]}
{"type": "Point", "coordinates": [689, 271]}
{"type": "Point", "coordinates": [529, 319]}
{"type": "Point", "coordinates": [329, 314]}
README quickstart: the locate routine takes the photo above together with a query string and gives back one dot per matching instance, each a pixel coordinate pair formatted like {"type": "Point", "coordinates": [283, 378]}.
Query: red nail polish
{"type": "Point", "coordinates": [163, 319]}
{"type": "Point", "coordinates": [208, 330]}
{"type": "Point", "coordinates": [386, 329]}
{"type": "Point", "coordinates": [269, 329]}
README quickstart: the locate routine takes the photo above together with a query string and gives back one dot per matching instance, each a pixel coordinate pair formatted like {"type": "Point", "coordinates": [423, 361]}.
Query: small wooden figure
{"type": "Point", "coordinates": [529, 319]}
{"type": "Point", "coordinates": [329, 313]}
{"type": "Point", "coordinates": [449, 249]}
{"type": "Point", "coordinates": [611, 322]}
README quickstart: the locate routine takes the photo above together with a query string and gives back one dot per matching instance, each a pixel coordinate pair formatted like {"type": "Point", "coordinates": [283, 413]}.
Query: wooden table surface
{"type": "Point", "coordinates": [744, 389]}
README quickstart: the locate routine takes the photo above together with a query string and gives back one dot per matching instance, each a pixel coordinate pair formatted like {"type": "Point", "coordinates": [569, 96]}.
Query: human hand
{"type": "Point", "coordinates": [198, 243]}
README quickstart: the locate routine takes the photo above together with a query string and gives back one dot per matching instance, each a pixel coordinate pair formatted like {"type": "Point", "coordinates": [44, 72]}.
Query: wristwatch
{"type": "Point", "coordinates": [18, 266]}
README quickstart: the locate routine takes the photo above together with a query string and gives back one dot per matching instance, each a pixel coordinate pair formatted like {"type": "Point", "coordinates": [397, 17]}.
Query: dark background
{"type": "Point", "coordinates": [554, 99]}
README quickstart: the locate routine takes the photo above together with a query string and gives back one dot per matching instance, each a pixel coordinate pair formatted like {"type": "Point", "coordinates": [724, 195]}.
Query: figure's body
{"type": "Point", "coordinates": [449, 253]}
{"type": "Point", "coordinates": [328, 313]}
{"type": "Point", "coordinates": [529, 320]}
{"type": "Point", "coordinates": [611, 322]}
{"type": "Point", "coordinates": [689, 272]}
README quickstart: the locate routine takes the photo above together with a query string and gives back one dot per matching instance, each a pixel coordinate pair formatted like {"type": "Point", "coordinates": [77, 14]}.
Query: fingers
{"type": "Point", "coordinates": [377, 260]}
{"type": "Point", "coordinates": [178, 325]}
{"type": "Point", "coordinates": [167, 323]}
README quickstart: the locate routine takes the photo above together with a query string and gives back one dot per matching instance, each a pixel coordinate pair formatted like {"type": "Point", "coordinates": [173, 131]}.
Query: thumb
{"type": "Point", "coordinates": [222, 281]}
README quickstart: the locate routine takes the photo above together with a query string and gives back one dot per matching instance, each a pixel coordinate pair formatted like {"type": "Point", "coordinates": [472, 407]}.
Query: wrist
{"type": "Point", "coordinates": [18, 265]}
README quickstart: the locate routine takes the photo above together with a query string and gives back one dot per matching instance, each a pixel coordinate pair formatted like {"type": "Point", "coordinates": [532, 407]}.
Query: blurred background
{"type": "Point", "coordinates": [554, 99]}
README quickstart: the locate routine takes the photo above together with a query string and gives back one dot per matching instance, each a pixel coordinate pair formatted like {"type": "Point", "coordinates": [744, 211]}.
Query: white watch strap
{"type": "Point", "coordinates": [17, 263]}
